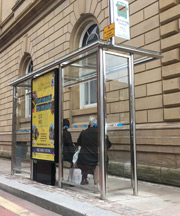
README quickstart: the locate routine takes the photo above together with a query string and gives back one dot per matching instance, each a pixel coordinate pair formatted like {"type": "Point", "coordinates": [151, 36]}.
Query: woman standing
{"type": "Point", "coordinates": [88, 156]}
{"type": "Point", "coordinates": [68, 145]}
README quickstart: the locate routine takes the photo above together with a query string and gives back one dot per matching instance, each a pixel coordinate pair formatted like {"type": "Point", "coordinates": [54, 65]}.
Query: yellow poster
{"type": "Point", "coordinates": [43, 95]}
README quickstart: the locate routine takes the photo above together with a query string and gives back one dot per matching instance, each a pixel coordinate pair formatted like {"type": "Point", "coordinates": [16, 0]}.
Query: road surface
{"type": "Point", "coordinates": [13, 206]}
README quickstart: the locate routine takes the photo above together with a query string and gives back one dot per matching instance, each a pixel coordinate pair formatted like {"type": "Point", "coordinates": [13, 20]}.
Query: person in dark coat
{"type": "Point", "coordinates": [68, 145]}
{"type": "Point", "coordinates": [88, 156]}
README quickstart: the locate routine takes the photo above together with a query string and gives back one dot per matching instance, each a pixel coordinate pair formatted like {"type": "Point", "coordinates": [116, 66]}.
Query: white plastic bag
{"type": "Point", "coordinates": [75, 156]}
{"type": "Point", "coordinates": [75, 175]}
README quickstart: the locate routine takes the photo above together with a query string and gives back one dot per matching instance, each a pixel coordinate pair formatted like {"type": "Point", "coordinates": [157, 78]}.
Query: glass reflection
{"type": "Point", "coordinates": [79, 104]}
{"type": "Point", "coordinates": [117, 92]}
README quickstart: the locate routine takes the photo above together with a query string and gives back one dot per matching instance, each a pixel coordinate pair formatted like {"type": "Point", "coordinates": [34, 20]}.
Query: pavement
{"type": "Point", "coordinates": [152, 199]}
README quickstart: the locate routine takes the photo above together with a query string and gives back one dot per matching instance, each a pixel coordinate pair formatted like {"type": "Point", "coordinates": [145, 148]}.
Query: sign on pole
{"type": "Point", "coordinates": [120, 16]}
{"type": "Point", "coordinates": [109, 31]}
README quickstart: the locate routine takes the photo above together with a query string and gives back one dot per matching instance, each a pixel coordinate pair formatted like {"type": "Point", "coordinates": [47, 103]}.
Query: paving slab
{"type": "Point", "coordinates": [152, 199]}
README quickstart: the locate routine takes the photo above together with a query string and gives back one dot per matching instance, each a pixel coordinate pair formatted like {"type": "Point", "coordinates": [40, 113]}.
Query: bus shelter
{"type": "Point", "coordinates": [109, 70]}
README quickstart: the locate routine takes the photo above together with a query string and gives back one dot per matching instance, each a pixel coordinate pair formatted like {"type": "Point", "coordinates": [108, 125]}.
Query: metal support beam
{"type": "Point", "coordinates": [13, 147]}
{"type": "Point", "coordinates": [111, 19]}
{"type": "Point", "coordinates": [101, 125]}
{"type": "Point", "coordinates": [60, 101]}
{"type": "Point", "coordinates": [132, 125]}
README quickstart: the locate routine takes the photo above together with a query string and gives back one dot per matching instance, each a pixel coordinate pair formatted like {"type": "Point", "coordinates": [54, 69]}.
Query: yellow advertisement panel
{"type": "Point", "coordinates": [43, 125]}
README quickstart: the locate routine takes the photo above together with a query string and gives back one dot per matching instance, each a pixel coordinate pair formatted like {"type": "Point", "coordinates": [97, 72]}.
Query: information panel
{"type": "Point", "coordinates": [44, 118]}
{"type": "Point", "coordinates": [120, 17]}
{"type": "Point", "coordinates": [109, 31]}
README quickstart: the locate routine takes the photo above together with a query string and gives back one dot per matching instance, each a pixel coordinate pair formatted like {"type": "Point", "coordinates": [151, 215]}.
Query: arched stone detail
{"type": "Point", "coordinates": [78, 29]}
{"type": "Point", "coordinates": [23, 63]}
{"type": "Point", "coordinates": [26, 54]}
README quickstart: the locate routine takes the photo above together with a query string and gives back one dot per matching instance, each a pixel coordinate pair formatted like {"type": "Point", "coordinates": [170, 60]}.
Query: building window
{"type": "Point", "coordinates": [88, 91]}
{"type": "Point", "coordinates": [90, 35]}
{"type": "Point", "coordinates": [29, 69]}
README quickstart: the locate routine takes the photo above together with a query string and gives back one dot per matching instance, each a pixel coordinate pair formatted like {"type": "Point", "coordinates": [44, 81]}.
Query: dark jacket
{"type": "Point", "coordinates": [88, 140]}
{"type": "Point", "coordinates": [68, 148]}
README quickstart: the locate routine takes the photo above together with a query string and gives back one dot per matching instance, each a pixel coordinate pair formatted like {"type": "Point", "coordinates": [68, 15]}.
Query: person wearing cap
{"type": "Point", "coordinates": [88, 156]}
{"type": "Point", "coordinates": [68, 145]}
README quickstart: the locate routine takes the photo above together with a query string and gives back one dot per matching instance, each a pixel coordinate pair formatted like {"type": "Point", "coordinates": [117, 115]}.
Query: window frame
{"type": "Point", "coordinates": [82, 86]}
{"type": "Point", "coordinates": [28, 96]}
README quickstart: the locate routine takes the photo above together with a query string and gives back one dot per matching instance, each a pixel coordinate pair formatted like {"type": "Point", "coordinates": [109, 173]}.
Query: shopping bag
{"type": "Point", "coordinates": [75, 156]}
{"type": "Point", "coordinates": [75, 175]}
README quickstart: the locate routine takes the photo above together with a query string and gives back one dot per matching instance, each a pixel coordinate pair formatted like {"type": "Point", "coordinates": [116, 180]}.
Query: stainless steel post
{"type": "Point", "coordinates": [31, 160]}
{"type": "Point", "coordinates": [132, 125]}
{"type": "Point", "coordinates": [60, 102]}
{"type": "Point", "coordinates": [13, 147]}
{"type": "Point", "coordinates": [101, 124]}
{"type": "Point", "coordinates": [111, 19]}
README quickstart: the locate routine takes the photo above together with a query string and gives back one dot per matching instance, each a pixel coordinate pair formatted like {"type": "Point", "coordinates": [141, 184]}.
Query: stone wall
{"type": "Point", "coordinates": [169, 19]}
{"type": "Point", "coordinates": [6, 8]}
{"type": "Point", "coordinates": [46, 32]}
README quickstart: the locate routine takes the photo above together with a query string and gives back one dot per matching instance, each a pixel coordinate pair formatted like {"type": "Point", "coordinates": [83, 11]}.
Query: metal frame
{"type": "Point", "coordinates": [101, 47]}
{"type": "Point", "coordinates": [111, 18]}
{"type": "Point", "coordinates": [60, 176]}
{"type": "Point", "coordinates": [132, 125]}
{"type": "Point", "coordinates": [13, 131]}
{"type": "Point", "coordinates": [101, 123]}
{"type": "Point", "coordinates": [131, 114]}
{"type": "Point", "coordinates": [62, 66]}
{"type": "Point", "coordinates": [104, 44]}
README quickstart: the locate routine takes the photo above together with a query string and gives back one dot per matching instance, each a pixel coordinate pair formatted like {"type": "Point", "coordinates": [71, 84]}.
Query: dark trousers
{"type": "Point", "coordinates": [86, 170]}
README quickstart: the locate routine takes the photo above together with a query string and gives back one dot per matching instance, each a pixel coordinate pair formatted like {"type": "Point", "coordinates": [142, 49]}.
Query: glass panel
{"type": "Point", "coordinates": [86, 93]}
{"type": "Point", "coordinates": [23, 129]}
{"type": "Point", "coordinates": [92, 35]}
{"type": "Point", "coordinates": [75, 57]}
{"type": "Point", "coordinates": [76, 130]}
{"type": "Point", "coordinates": [117, 92]}
{"type": "Point", "coordinates": [93, 92]}
{"type": "Point", "coordinates": [83, 70]}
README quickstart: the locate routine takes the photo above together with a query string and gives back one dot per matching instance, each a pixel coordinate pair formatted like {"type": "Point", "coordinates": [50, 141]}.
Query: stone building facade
{"type": "Point", "coordinates": [41, 31]}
